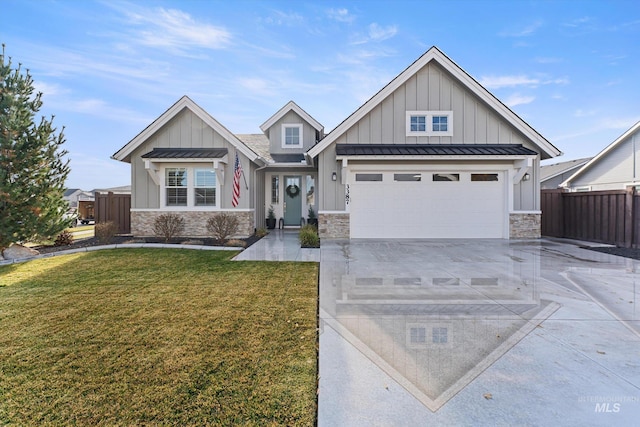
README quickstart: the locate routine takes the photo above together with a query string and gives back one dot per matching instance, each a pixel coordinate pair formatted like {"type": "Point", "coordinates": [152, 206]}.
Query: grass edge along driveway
{"type": "Point", "coordinates": [158, 336]}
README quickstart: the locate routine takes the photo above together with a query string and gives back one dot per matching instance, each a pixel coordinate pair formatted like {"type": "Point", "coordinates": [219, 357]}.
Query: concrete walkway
{"type": "Point", "coordinates": [477, 333]}
{"type": "Point", "coordinates": [279, 245]}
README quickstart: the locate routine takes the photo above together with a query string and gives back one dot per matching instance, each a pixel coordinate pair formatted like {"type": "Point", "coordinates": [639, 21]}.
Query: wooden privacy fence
{"type": "Point", "coordinates": [116, 208]}
{"type": "Point", "coordinates": [611, 217]}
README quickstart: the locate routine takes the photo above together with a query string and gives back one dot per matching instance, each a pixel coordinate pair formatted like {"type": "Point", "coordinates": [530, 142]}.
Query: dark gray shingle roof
{"type": "Point", "coordinates": [433, 150]}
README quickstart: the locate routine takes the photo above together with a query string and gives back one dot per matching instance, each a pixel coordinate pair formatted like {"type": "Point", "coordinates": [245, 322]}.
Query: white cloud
{"type": "Point", "coordinates": [170, 29]}
{"type": "Point", "coordinates": [378, 33]}
{"type": "Point", "coordinates": [584, 113]}
{"type": "Point", "coordinates": [517, 99]}
{"type": "Point", "coordinates": [341, 15]}
{"type": "Point", "coordinates": [577, 22]}
{"type": "Point", "coordinates": [283, 18]}
{"type": "Point", "coordinates": [525, 31]}
{"type": "Point", "coordinates": [497, 82]}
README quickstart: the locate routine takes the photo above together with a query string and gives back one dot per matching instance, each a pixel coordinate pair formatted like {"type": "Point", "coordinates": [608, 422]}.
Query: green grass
{"type": "Point", "coordinates": [157, 337]}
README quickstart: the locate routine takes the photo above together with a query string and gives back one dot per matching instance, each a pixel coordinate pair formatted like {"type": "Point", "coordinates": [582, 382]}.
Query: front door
{"type": "Point", "coordinates": [292, 200]}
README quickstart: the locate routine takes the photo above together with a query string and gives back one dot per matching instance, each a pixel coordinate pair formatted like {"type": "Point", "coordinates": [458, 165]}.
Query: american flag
{"type": "Point", "coordinates": [237, 171]}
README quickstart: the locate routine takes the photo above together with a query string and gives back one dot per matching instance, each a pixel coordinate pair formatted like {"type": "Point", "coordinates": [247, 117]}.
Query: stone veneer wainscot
{"type": "Point", "coordinates": [195, 222]}
{"type": "Point", "coordinates": [524, 225]}
{"type": "Point", "coordinates": [333, 225]}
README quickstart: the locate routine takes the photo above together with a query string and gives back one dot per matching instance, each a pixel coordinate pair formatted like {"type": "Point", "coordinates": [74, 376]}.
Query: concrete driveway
{"type": "Point", "coordinates": [482, 332]}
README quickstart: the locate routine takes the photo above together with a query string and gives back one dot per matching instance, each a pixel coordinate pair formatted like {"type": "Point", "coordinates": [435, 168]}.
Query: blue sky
{"type": "Point", "coordinates": [109, 68]}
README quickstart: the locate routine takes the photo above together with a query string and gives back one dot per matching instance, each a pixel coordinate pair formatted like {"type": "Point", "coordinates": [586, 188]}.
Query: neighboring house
{"type": "Point", "coordinates": [433, 154]}
{"type": "Point", "coordinates": [614, 168]}
{"type": "Point", "coordinates": [551, 176]}
{"type": "Point", "coordinates": [81, 202]}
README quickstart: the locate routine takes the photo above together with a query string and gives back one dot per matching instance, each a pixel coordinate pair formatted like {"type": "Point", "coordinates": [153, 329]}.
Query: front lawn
{"type": "Point", "coordinates": [157, 337]}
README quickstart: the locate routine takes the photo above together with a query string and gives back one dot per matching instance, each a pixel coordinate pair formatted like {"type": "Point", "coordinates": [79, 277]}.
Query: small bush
{"type": "Point", "coordinates": [223, 226]}
{"type": "Point", "coordinates": [261, 232]}
{"type": "Point", "coordinates": [309, 237]}
{"type": "Point", "coordinates": [104, 231]}
{"type": "Point", "coordinates": [168, 226]}
{"type": "Point", "coordinates": [64, 239]}
{"type": "Point", "coordinates": [236, 243]}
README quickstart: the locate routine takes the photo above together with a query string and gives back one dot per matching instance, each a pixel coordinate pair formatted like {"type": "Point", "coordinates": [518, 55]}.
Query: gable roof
{"type": "Point", "coordinates": [601, 154]}
{"type": "Point", "coordinates": [553, 170]}
{"type": "Point", "coordinates": [291, 106]}
{"type": "Point", "coordinates": [184, 102]}
{"type": "Point", "coordinates": [435, 54]}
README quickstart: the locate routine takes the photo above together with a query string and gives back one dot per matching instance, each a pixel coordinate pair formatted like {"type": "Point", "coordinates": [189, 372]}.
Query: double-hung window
{"type": "Point", "coordinates": [176, 186]}
{"type": "Point", "coordinates": [429, 123]}
{"type": "Point", "coordinates": [205, 187]}
{"type": "Point", "coordinates": [292, 136]}
{"type": "Point", "coordinates": [190, 187]}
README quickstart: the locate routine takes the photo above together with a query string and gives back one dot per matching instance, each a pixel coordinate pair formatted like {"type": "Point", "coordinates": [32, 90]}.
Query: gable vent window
{"type": "Point", "coordinates": [429, 123]}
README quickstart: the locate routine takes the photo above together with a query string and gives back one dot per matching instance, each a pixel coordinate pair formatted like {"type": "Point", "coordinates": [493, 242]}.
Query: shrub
{"type": "Point", "coordinates": [236, 243]}
{"type": "Point", "coordinates": [223, 226]}
{"type": "Point", "coordinates": [105, 231]}
{"type": "Point", "coordinates": [309, 237]}
{"type": "Point", "coordinates": [261, 232]}
{"type": "Point", "coordinates": [168, 226]}
{"type": "Point", "coordinates": [64, 239]}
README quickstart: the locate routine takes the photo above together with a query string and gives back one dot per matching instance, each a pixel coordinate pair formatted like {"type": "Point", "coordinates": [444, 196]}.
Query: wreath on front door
{"type": "Point", "coordinates": [292, 190]}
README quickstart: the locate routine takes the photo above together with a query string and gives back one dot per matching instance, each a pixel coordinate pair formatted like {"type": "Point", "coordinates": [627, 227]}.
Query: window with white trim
{"type": "Point", "coordinates": [176, 186]}
{"type": "Point", "coordinates": [429, 123]}
{"type": "Point", "coordinates": [291, 136]}
{"type": "Point", "coordinates": [190, 187]}
{"type": "Point", "coordinates": [205, 187]}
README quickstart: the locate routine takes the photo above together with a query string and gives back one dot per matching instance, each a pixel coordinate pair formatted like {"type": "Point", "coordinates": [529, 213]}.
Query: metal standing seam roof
{"type": "Point", "coordinates": [186, 153]}
{"type": "Point", "coordinates": [433, 150]}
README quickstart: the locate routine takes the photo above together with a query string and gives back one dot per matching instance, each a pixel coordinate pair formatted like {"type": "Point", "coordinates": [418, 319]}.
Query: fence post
{"type": "Point", "coordinates": [628, 216]}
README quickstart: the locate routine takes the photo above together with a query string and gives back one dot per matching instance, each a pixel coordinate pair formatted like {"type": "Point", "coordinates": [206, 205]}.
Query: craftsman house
{"type": "Point", "coordinates": [431, 155]}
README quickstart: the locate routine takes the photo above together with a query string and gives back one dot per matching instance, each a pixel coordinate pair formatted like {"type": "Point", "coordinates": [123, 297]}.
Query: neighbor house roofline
{"type": "Point", "coordinates": [434, 54]}
{"type": "Point", "coordinates": [184, 102]}
{"type": "Point", "coordinates": [291, 106]}
{"type": "Point", "coordinates": [601, 154]}
{"type": "Point", "coordinates": [568, 165]}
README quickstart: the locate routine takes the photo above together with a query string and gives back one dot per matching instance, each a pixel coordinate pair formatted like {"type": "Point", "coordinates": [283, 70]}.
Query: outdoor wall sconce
{"type": "Point", "coordinates": [526, 177]}
{"type": "Point", "coordinates": [334, 176]}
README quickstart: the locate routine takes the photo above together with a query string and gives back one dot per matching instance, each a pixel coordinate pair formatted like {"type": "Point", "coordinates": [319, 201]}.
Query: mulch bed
{"type": "Point", "coordinates": [623, 252]}
{"type": "Point", "coordinates": [118, 240]}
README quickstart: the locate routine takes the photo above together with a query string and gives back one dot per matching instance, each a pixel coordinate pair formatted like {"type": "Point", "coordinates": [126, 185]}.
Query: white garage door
{"type": "Point", "coordinates": [427, 204]}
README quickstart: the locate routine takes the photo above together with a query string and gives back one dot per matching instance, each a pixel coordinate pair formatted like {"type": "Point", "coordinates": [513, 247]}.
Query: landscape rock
{"type": "Point", "coordinates": [19, 252]}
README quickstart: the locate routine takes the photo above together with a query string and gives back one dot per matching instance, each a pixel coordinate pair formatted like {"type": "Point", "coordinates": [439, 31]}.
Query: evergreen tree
{"type": "Point", "coordinates": [32, 168]}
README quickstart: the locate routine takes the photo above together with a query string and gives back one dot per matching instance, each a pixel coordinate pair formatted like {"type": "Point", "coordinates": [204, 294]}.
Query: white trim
{"type": "Point", "coordinates": [428, 116]}
{"type": "Point", "coordinates": [175, 109]}
{"type": "Point", "coordinates": [283, 130]}
{"type": "Point", "coordinates": [607, 149]}
{"type": "Point", "coordinates": [291, 106]}
{"type": "Point", "coordinates": [434, 54]}
{"type": "Point", "coordinates": [451, 157]}
{"type": "Point", "coordinates": [190, 188]}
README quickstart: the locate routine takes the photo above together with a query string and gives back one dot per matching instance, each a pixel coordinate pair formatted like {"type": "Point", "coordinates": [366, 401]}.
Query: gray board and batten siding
{"type": "Point", "coordinates": [432, 88]}
{"type": "Point", "coordinates": [187, 130]}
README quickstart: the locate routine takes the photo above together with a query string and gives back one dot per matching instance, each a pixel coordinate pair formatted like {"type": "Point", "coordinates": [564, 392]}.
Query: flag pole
{"type": "Point", "coordinates": [246, 186]}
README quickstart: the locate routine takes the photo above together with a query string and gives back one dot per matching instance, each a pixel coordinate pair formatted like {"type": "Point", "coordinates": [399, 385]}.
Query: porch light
{"type": "Point", "coordinates": [526, 177]}
{"type": "Point", "coordinates": [334, 176]}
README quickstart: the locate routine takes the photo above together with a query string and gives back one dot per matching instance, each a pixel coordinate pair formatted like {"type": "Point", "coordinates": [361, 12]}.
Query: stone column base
{"type": "Point", "coordinates": [334, 225]}
{"type": "Point", "coordinates": [524, 225]}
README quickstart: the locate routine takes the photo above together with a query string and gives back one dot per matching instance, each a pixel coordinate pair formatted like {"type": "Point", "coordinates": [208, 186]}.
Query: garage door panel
{"type": "Point", "coordinates": [428, 209]}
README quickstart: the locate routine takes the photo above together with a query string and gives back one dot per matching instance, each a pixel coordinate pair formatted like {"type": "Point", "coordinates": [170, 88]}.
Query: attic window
{"type": "Point", "coordinates": [429, 123]}
{"type": "Point", "coordinates": [291, 136]}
